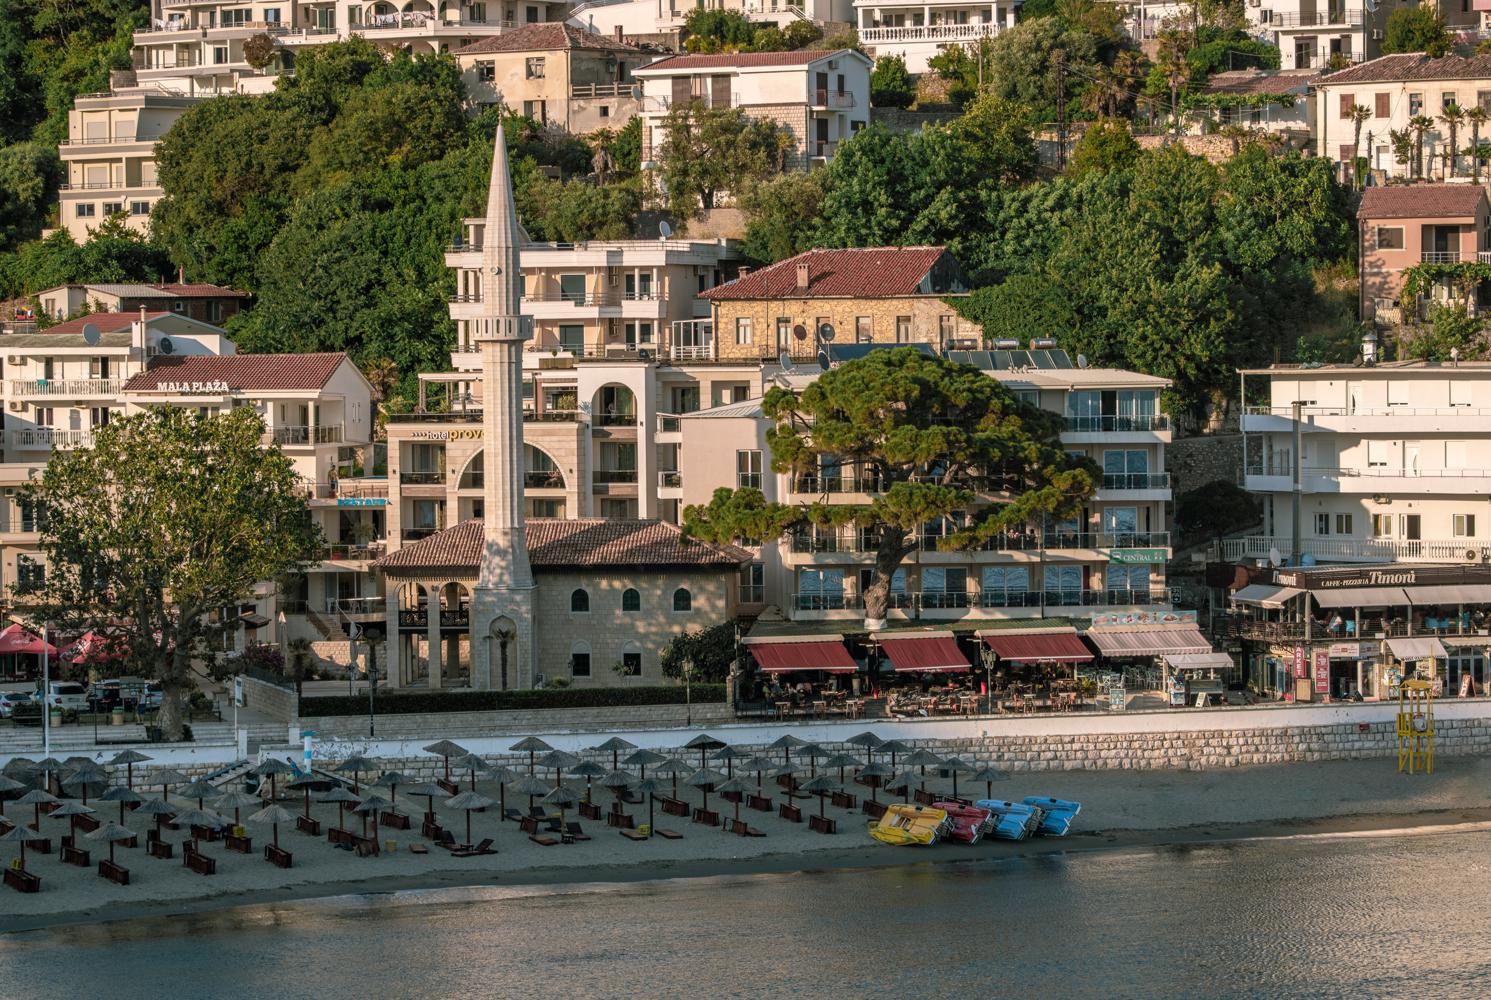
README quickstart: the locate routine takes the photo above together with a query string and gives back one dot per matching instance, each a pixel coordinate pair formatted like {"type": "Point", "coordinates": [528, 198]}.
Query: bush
{"type": "Point", "coordinates": [405, 703]}
{"type": "Point", "coordinates": [1216, 509]}
{"type": "Point", "coordinates": [891, 85]}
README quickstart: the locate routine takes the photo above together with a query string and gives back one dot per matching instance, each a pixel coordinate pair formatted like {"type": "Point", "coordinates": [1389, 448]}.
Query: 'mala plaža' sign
{"type": "Point", "coordinates": [195, 388]}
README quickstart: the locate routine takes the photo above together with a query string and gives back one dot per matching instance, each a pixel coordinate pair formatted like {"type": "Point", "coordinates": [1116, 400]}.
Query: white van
{"type": "Point", "coordinates": [69, 696]}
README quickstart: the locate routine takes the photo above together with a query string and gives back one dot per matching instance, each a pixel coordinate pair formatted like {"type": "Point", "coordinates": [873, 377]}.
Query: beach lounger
{"type": "Point", "coordinates": [707, 816]}
{"type": "Point", "coordinates": [418, 849]}
{"type": "Point", "coordinates": [114, 873]}
{"type": "Point", "coordinates": [485, 847]}
{"type": "Point", "coordinates": [446, 840]}
{"type": "Point", "coordinates": [668, 834]}
{"type": "Point", "coordinates": [528, 824]}
{"type": "Point", "coordinates": [590, 810]}
{"type": "Point", "coordinates": [822, 824]}
{"type": "Point", "coordinates": [573, 829]}
{"type": "Point", "coordinates": [514, 814]}
{"type": "Point", "coordinates": [545, 841]}
{"type": "Point", "coordinates": [538, 812]}
{"type": "Point", "coordinates": [632, 834]}
{"type": "Point", "coordinates": [22, 881]}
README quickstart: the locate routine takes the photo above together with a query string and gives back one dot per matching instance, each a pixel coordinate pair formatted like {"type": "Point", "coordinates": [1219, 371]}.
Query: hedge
{"type": "Point", "coordinates": [404, 703]}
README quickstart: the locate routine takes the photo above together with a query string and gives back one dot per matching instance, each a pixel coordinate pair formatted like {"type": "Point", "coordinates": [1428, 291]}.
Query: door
{"type": "Point", "coordinates": [1353, 397]}
{"type": "Point", "coordinates": [719, 91]}
{"type": "Point", "coordinates": [1411, 458]}
{"type": "Point", "coordinates": [1408, 527]}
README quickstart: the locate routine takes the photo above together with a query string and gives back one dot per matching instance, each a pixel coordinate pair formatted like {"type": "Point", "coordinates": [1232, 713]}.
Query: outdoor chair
{"type": "Point", "coordinates": [543, 841]}
{"type": "Point", "coordinates": [485, 847]}
{"type": "Point", "coordinates": [573, 829]}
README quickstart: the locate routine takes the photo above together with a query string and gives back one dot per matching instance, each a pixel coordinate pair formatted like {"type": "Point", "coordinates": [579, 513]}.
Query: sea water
{"type": "Point", "coordinates": [1399, 916]}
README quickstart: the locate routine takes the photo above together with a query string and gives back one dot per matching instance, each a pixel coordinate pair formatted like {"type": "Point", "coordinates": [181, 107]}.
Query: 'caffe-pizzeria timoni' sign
{"type": "Point", "coordinates": [1376, 576]}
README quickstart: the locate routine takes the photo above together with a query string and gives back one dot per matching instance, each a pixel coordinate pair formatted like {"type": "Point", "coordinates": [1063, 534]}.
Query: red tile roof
{"type": "Point", "coordinates": [1421, 201]}
{"type": "Point", "coordinates": [1262, 81]}
{"type": "Point", "coordinates": [865, 273]}
{"type": "Point", "coordinates": [741, 60]}
{"type": "Point", "coordinates": [568, 543]}
{"type": "Point", "coordinates": [202, 290]}
{"type": "Point", "coordinates": [271, 372]}
{"type": "Point", "coordinates": [543, 37]}
{"type": "Point", "coordinates": [1405, 66]}
{"type": "Point", "coordinates": [111, 322]}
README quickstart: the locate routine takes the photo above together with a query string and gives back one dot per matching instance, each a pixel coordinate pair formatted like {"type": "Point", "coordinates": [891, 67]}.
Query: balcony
{"type": "Point", "coordinates": [1136, 481]}
{"type": "Point", "coordinates": [72, 387]}
{"type": "Point", "coordinates": [1338, 18]}
{"type": "Point", "coordinates": [614, 419]}
{"type": "Point", "coordinates": [609, 477]}
{"type": "Point", "coordinates": [935, 601]}
{"type": "Point", "coordinates": [833, 99]}
{"type": "Point", "coordinates": [302, 435]}
{"type": "Point", "coordinates": [1366, 550]}
{"type": "Point", "coordinates": [48, 437]}
{"type": "Point", "coordinates": [930, 33]}
{"type": "Point", "coordinates": [1377, 479]}
{"type": "Point", "coordinates": [422, 478]}
{"type": "Point", "coordinates": [351, 553]}
{"type": "Point", "coordinates": [1117, 423]}
{"type": "Point", "coordinates": [670, 480]}
{"type": "Point", "coordinates": [836, 484]}
{"type": "Point", "coordinates": [1447, 256]}
{"type": "Point", "coordinates": [551, 479]}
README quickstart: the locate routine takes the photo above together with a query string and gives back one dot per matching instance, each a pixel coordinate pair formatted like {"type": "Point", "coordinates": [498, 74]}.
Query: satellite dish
{"type": "Point", "coordinates": [785, 360]}
{"type": "Point", "coordinates": [166, 347]}
{"type": "Point", "coordinates": [1274, 556]}
{"type": "Point", "coordinates": [90, 334]}
{"type": "Point", "coordinates": [800, 332]}
{"type": "Point", "coordinates": [664, 230]}
{"type": "Point", "coordinates": [826, 331]}
{"type": "Point", "coordinates": [1081, 361]}
{"type": "Point", "coordinates": [823, 361]}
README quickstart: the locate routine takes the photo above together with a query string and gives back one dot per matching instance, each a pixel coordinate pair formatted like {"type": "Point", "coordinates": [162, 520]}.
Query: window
{"type": "Point", "coordinates": [1377, 454]}
{"type": "Point", "coordinates": [1343, 524]}
{"type": "Point", "coordinates": [605, 110]}
{"type": "Point", "coordinates": [1464, 525]}
{"type": "Point", "coordinates": [743, 331]}
{"type": "Point", "coordinates": [85, 211]}
{"type": "Point", "coordinates": [944, 588]}
{"type": "Point", "coordinates": [864, 330]}
{"type": "Point", "coordinates": [1347, 100]}
{"type": "Point", "coordinates": [113, 207]}
{"type": "Point", "coordinates": [1447, 100]}
{"type": "Point", "coordinates": [631, 600]}
{"type": "Point", "coordinates": [579, 600]}
{"type": "Point", "coordinates": [1322, 524]}
{"type": "Point", "coordinates": [784, 333]}
{"type": "Point", "coordinates": [1005, 586]}
{"type": "Point", "coordinates": [537, 110]}
{"type": "Point", "coordinates": [579, 660]}
{"type": "Point", "coordinates": [486, 72]}
{"type": "Point", "coordinates": [219, 55]}
{"type": "Point", "coordinates": [631, 663]}
{"type": "Point", "coordinates": [533, 15]}
{"type": "Point", "coordinates": [1390, 237]}
{"type": "Point", "coordinates": [820, 589]}
{"type": "Point", "coordinates": [1415, 105]}
{"type": "Point", "coordinates": [139, 208]}
{"type": "Point", "coordinates": [1063, 584]}
{"type": "Point", "coordinates": [945, 328]}
{"type": "Point", "coordinates": [748, 469]}
{"type": "Point", "coordinates": [1382, 525]}
{"type": "Point", "coordinates": [476, 13]}
{"type": "Point", "coordinates": [752, 583]}
{"type": "Point", "coordinates": [535, 67]}
{"type": "Point", "coordinates": [1483, 99]}
{"type": "Point", "coordinates": [1128, 583]}
{"type": "Point", "coordinates": [30, 575]}
{"type": "Point", "coordinates": [271, 15]}
{"type": "Point", "coordinates": [1384, 107]}
{"type": "Point", "coordinates": [572, 339]}
{"type": "Point", "coordinates": [1397, 393]}
{"type": "Point", "coordinates": [903, 329]}
{"type": "Point", "coordinates": [683, 600]}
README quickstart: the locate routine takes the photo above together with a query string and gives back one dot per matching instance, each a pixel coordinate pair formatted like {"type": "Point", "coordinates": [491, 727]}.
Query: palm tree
{"type": "Point", "coordinates": [382, 374]}
{"type": "Point", "coordinates": [1477, 117]}
{"type": "Point", "coordinates": [1419, 125]}
{"type": "Point", "coordinates": [1172, 62]}
{"type": "Point", "coordinates": [1452, 116]}
{"type": "Point", "coordinates": [1128, 70]}
{"type": "Point", "coordinates": [1402, 142]}
{"type": "Point", "coordinates": [1359, 115]}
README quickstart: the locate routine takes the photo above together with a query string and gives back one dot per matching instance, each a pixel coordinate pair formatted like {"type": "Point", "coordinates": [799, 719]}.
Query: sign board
{"type": "Point", "coordinates": [1467, 686]}
{"type": "Point", "coordinates": [1354, 650]}
{"type": "Point", "coordinates": [194, 388]}
{"type": "Point", "coordinates": [1117, 699]}
{"type": "Point", "coordinates": [1322, 671]}
{"type": "Point", "coordinates": [1144, 618]}
{"type": "Point", "coordinates": [238, 699]}
{"type": "Point", "coordinates": [1301, 662]}
{"type": "Point", "coordinates": [362, 501]}
{"type": "Point", "coordinates": [449, 434]}
{"type": "Point", "coordinates": [1136, 556]}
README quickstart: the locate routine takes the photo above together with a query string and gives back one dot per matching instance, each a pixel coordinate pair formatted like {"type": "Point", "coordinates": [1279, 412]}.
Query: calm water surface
{"type": "Point", "coordinates": [1352, 917]}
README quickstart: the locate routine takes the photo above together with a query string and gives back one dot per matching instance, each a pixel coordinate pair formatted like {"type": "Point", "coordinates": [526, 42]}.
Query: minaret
{"type": "Point", "coordinates": [502, 607]}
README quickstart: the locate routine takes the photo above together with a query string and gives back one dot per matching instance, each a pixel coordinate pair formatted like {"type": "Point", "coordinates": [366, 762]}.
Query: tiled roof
{"type": "Point", "coordinates": [268, 372]}
{"type": "Point", "coordinates": [1406, 66]}
{"type": "Point", "coordinates": [106, 322]}
{"type": "Point", "coordinates": [543, 37]}
{"type": "Point", "coordinates": [201, 290]}
{"type": "Point", "coordinates": [872, 272]}
{"type": "Point", "coordinates": [134, 290]}
{"type": "Point", "coordinates": [1420, 201]}
{"type": "Point", "coordinates": [741, 60]}
{"type": "Point", "coordinates": [568, 543]}
{"type": "Point", "coordinates": [1261, 81]}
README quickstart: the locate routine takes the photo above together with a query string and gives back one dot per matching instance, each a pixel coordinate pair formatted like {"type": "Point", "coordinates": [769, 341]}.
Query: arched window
{"type": "Point", "coordinates": [631, 600]}
{"type": "Point", "coordinates": [683, 600]}
{"type": "Point", "coordinates": [631, 660]}
{"type": "Point", "coordinates": [579, 656]}
{"type": "Point", "coordinates": [579, 600]}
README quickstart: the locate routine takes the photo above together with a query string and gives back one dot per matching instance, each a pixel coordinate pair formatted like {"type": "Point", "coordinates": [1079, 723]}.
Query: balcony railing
{"type": "Point", "coordinates": [610, 476]}
{"type": "Point", "coordinates": [1383, 550]}
{"type": "Point", "coordinates": [691, 352]}
{"type": "Point", "coordinates": [836, 484]}
{"type": "Point", "coordinates": [953, 600]}
{"type": "Point", "coordinates": [551, 479]}
{"type": "Point", "coordinates": [668, 423]}
{"type": "Point", "coordinates": [824, 148]}
{"type": "Point", "coordinates": [1319, 19]}
{"type": "Point", "coordinates": [1371, 472]}
{"type": "Point", "coordinates": [304, 435]}
{"type": "Point", "coordinates": [1017, 542]}
{"type": "Point", "coordinates": [1136, 481]}
{"type": "Point", "coordinates": [670, 480]}
{"type": "Point", "coordinates": [1117, 423]}
{"type": "Point", "coordinates": [582, 90]}
{"type": "Point", "coordinates": [66, 386]}
{"type": "Point", "coordinates": [1446, 256]}
{"type": "Point", "coordinates": [351, 552]}
{"type": "Point", "coordinates": [930, 32]}
{"type": "Point", "coordinates": [48, 437]}
{"type": "Point", "coordinates": [1363, 411]}
{"type": "Point", "coordinates": [833, 99]}
{"type": "Point", "coordinates": [422, 478]}
{"type": "Point", "coordinates": [615, 419]}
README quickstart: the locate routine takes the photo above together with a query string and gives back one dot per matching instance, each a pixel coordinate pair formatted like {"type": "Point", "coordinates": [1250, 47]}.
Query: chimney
{"type": "Point", "coordinates": [745, 269]}
{"type": "Point", "coordinates": [137, 331]}
{"type": "Point", "coordinates": [181, 274]}
{"type": "Point", "coordinates": [802, 276]}
{"type": "Point", "coordinates": [618, 34]}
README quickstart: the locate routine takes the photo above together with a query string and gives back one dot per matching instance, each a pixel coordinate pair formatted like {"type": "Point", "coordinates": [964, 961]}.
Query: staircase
{"type": "Point", "coordinates": [331, 630]}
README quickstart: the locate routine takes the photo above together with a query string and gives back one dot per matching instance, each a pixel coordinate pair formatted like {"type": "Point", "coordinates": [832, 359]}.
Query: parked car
{"type": "Point", "coordinates": [10, 699]}
{"type": "Point", "coordinates": [69, 696]}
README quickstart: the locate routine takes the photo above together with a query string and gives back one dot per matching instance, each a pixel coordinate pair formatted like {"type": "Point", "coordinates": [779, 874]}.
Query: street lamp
{"type": "Point", "coordinates": [688, 694]}
{"type": "Point", "coordinates": [372, 634]}
{"type": "Point", "coordinates": [988, 657]}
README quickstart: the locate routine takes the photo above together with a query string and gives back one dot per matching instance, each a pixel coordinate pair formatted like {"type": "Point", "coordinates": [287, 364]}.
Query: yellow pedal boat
{"type": "Point", "coordinates": [909, 825]}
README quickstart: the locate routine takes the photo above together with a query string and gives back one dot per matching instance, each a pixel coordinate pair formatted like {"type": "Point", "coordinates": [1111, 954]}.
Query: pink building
{"type": "Point", "coordinates": [1405, 225]}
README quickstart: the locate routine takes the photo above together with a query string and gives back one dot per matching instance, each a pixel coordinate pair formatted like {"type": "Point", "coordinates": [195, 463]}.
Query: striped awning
{"type": "Point", "coordinates": [784, 657]}
{"type": "Point", "coordinates": [1267, 595]}
{"type": "Point", "coordinates": [1154, 640]}
{"type": "Point", "coordinates": [1052, 646]}
{"type": "Point", "coordinates": [919, 654]}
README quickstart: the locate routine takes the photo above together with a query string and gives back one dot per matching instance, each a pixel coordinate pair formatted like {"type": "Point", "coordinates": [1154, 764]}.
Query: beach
{"type": "Point", "coordinates": [1120, 809]}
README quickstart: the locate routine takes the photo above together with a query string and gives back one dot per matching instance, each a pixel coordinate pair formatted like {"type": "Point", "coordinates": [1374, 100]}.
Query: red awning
{"type": "Point", "coordinates": [1039, 647]}
{"type": "Point", "coordinates": [15, 639]}
{"type": "Point", "coordinates": [925, 654]}
{"type": "Point", "coordinates": [784, 657]}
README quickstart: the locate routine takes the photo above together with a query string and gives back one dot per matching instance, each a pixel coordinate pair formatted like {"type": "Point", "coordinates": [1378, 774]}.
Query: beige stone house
{"type": "Point", "coordinates": [555, 73]}
{"type": "Point", "coordinates": [610, 595]}
{"type": "Point", "coordinates": [873, 295]}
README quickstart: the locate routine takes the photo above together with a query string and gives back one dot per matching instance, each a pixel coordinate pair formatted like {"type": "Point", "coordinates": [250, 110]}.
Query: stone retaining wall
{"type": "Point", "coordinates": [270, 700]}
{"type": "Point", "coordinates": [454, 725]}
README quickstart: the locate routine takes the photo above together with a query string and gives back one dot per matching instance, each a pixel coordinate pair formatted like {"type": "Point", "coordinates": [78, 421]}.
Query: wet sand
{"type": "Point", "coordinates": [1121, 809]}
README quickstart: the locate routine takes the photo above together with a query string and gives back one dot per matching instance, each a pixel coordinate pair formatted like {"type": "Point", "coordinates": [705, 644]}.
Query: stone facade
{"type": "Point", "coordinates": [928, 319]}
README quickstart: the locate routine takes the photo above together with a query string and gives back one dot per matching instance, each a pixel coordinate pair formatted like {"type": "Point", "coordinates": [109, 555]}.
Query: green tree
{"type": "Point", "coordinates": [1022, 65]}
{"type": "Point", "coordinates": [1419, 125]}
{"type": "Point", "coordinates": [1024, 307]}
{"type": "Point", "coordinates": [710, 150]}
{"type": "Point", "coordinates": [1420, 28]}
{"type": "Point", "coordinates": [782, 215]}
{"type": "Point", "coordinates": [1107, 145]}
{"type": "Point", "coordinates": [1476, 116]}
{"type": "Point", "coordinates": [712, 30]}
{"type": "Point", "coordinates": [574, 211]}
{"type": "Point", "coordinates": [157, 533]}
{"type": "Point", "coordinates": [711, 650]}
{"type": "Point", "coordinates": [891, 85]}
{"type": "Point", "coordinates": [942, 441]}
{"type": "Point", "coordinates": [29, 175]}
{"type": "Point", "coordinates": [1452, 117]}
{"type": "Point", "coordinates": [1360, 115]}
{"type": "Point", "coordinates": [1217, 509]}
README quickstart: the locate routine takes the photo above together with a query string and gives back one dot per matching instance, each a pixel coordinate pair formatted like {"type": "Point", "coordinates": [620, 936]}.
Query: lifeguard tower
{"type": "Point", "coordinates": [1416, 726]}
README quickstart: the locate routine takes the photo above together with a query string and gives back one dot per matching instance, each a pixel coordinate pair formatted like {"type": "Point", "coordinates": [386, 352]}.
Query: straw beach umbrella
{"type": "Point", "coordinates": [159, 808]}
{"type": "Point", "coordinates": [532, 787]}
{"type": "Point", "coordinates": [703, 743]}
{"type": "Point", "coordinates": [674, 767]}
{"type": "Point", "coordinates": [956, 766]}
{"type": "Point", "coordinates": [821, 786]}
{"type": "Point", "coordinates": [20, 834]}
{"type": "Point", "coordinates": [84, 776]}
{"type": "Point", "coordinates": [201, 790]}
{"type": "Point", "coordinates": [198, 819]}
{"type": "Point", "coordinates": [271, 768]}
{"type": "Point", "coordinates": [989, 775]}
{"type": "Point", "coordinates": [705, 779]}
{"type": "Point", "coordinates": [558, 761]}
{"type": "Point", "coordinates": [894, 747]}
{"type": "Point", "coordinates": [429, 790]}
{"type": "Point", "coordinates": [308, 783]}
{"type": "Point", "coordinates": [123, 795]}
{"type": "Point", "coordinates": [618, 782]}
{"type": "Point", "coordinates": [47, 767]}
{"type": "Point", "coordinates": [355, 766]}
{"type": "Point", "coordinates": [532, 746]}
{"type": "Point", "coordinates": [589, 770]}
{"type": "Point", "coordinates": [648, 787]}
{"type": "Point", "coordinates": [391, 780]}
{"type": "Point", "coordinates": [129, 758]}
{"type": "Point", "coordinates": [69, 810]}
{"type": "Point", "coordinates": [868, 742]}
{"type": "Point", "coordinates": [785, 743]}
{"type": "Point", "coordinates": [273, 815]}
{"type": "Point", "coordinates": [471, 763]}
{"type": "Point", "coordinates": [812, 753]}
{"type": "Point", "coordinates": [447, 750]}
{"type": "Point", "coordinates": [467, 802]}
{"type": "Point", "coordinates": [842, 761]}
{"type": "Point", "coordinates": [504, 776]}
{"type": "Point", "coordinates": [758, 766]}
{"type": "Point", "coordinates": [8, 786]}
{"type": "Point", "coordinates": [729, 755]}
{"type": "Point", "coordinates": [36, 798]}
{"type": "Point", "coordinates": [923, 759]}
{"type": "Point", "coordinates": [643, 759]}
{"type": "Point", "coordinates": [902, 781]}
{"type": "Point", "coordinates": [561, 798]}
{"type": "Point", "coordinates": [874, 772]}
{"type": "Point", "coordinates": [235, 800]}
{"type": "Point", "coordinates": [112, 833]}
{"type": "Point", "coordinates": [614, 746]}
{"type": "Point", "coordinates": [370, 805]}
{"type": "Point", "coordinates": [734, 786]}
{"type": "Point", "coordinates": [341, 797]}
{"type": "Point", "coordinates": [165, 778]}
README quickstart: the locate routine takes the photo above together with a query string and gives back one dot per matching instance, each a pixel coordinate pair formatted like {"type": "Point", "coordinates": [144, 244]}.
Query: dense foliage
{"type": "Point", "coordinates": [1420, 28]}
{"type": "Point", "coordinates": [712, 652]}
{"type": "Point", "coordinates": [711, 150]}
{"type": "Point", "coordinates": [1216, 509]}
{"type": "Point", "coordinates": [111, 253]}
{"type": "Point", "coordinates": [891, 85]}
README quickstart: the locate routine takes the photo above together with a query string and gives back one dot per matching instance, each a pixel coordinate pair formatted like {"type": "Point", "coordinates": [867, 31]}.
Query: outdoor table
{"type": "Point", "coordinates": [783, 708]}
{"type": "Point", "coordinates": [114, 873]}
{"type": "Point", "coordinates": [241, 845]}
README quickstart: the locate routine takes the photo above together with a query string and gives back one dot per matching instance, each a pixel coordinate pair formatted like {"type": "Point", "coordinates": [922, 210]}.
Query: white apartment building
{"type": "Point", "coordinates": [1111, 557]}
{"type": "Point", "coordinates": [1395, 89]}
{"type": "Point", "coordinates": [109, 157]}
{"type": "Point", "coordinates": [61, 384]}
{"type": "Point", "coordinates": [660, 20]}
{"type": "Point", "coordinates": [917, 32]}
{"type": "Point", "coordinates": [196, 46]}
{"type": "Point", "coordinates": [1393, 458]}
{"type": "Point", "coordinates": [819, 97]}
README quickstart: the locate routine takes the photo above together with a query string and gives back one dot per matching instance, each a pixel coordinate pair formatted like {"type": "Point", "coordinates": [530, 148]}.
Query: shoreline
{"type": "Point", "coordinates": [865, 854]}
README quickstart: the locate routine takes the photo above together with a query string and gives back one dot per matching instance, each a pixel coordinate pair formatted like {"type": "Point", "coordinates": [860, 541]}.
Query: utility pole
{"type": "Point", "coordinates": [1299, 482]}
{"type": "Point", "coordinates": [1058, 59]}
{"type": "Point", "coordinates": [46, 694]}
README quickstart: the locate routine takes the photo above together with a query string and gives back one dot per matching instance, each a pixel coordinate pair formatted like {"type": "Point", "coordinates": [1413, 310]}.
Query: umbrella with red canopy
{"type": "Point", "coordinates": [16, 638]}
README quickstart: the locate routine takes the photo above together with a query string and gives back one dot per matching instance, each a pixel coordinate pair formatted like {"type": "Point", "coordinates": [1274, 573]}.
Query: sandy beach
{"type": "Point", "coordinates": [1120, 809]}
